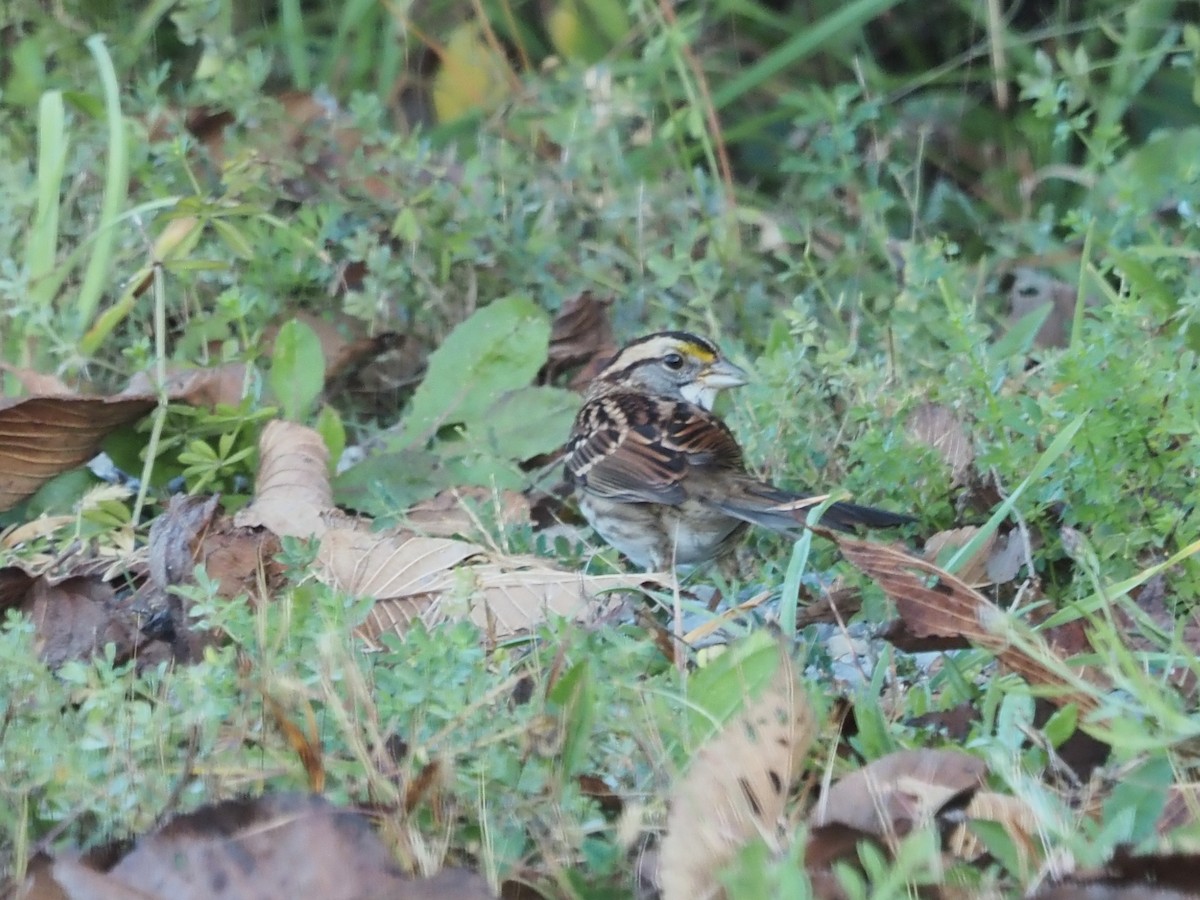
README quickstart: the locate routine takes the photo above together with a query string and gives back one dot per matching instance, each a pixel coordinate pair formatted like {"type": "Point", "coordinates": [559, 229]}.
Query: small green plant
{"type": "Point", "coordinates": [474, 416]}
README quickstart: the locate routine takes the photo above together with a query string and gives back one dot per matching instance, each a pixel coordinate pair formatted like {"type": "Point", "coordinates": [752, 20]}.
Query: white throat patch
{"type": "Point", "coordinates": [697, 393]}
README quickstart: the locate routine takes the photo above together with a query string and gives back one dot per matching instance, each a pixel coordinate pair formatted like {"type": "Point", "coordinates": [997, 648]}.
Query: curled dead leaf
{"type": "Point", "coordinates": [503, 600]}
{"type": "Point", "coordinates": [41, 437]}
{"type": "Point", "coordinates": [736, 787]}
{"type": "Point", "coordinates": [292, 491]}
{"type": "Point", "coordinates": [934, 603]}
{"type": "Point", "coordinates": [410, 576]}
{"type": "Point", "coordinates": [997, 560]}
{"type": "Point", "coordinates": [892, 794]}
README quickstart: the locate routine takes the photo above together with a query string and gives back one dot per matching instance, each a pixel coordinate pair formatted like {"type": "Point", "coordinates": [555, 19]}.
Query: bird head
{"type": "Point", "coordinates": [675, 365]}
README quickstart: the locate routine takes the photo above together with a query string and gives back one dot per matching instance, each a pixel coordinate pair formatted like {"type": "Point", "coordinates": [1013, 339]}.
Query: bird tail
{"type": "Point", "coordinates": [845, 516]}
{"type": "Point", "coordinates": [768, 506]}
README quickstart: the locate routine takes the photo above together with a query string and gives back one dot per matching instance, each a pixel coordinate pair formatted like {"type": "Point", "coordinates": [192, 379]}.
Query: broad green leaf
{"type": "Point", "coordinates": [386, 484]}
{"type": "Point", "coordinates": [999, 844]}
{"type": "Point", "coordinates": [529, 421]}
{"type": "Point", "coordinates": [1139, 797]}
{"type": "Point", "coordinates": [333, 433]}
{"type": "Point", "coordinates": [1019, 338]}
{"type": "Point", "coordinates": [498, 349]}
{"type": "Point", "coordinates": [720, 689]}
{"type": "Point", "coordinates": [297, 369]}
{"type": "Point", "coordinates": [587, 30]}
{"type": "Point", "coordinates": [482, 469]}
{"type": "Point", "coordinates": [1061, 725]}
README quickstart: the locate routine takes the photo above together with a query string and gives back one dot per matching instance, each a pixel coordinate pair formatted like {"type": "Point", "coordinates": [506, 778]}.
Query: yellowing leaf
{"type": "Point", "coordinates": [472, 77]}
{"type": "Point", "coordinates": [587, 30]}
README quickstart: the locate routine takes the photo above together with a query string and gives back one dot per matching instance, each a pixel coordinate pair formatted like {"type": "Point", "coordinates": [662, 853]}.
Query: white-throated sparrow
{"type": "Point", "coordinates": [660, 477]}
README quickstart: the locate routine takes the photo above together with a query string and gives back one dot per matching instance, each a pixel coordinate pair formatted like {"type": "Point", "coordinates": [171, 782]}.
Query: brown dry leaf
{"type": "Point", "coordinates": [223, 385]}
{"type": "Point", "coordinates": [997, 561]}
{"type": "Point", "coordinates": [891, 795]}
{"type": "Point", "coordinates": [174, 536]}
{"type": "Point", "coordinates": [899, 635]}
{"type": "Point", "coordinates": [292, 491]}
{"type": "Point", "coordinates": [503, 599]}
{"type": "Point", "coordinates": [14, 585]}
{"type": "Point", "coordinates": [451, 513]}
{"type": "Point", "coordinates": [1007, 556]}
{"type": "Point", "coordinates": [953, 724]}
{"type": "Point", "coordinates": [36, 382]}
{"type": "Point", "coordinates": [241, 562]}
{"type": "Point", "coordinates": [835, 842]}
{"type": "Point", "coordinates": [974, 570]}
{"type": "Point", "coordinates": [933, 603]}
{"type": "Point", "coordinates": [938, 427]}
{"type": "Point", "coordinates": [1182, 808]}
{"type": "Point", "coordinates": [41, 437]}
{"type": "Point", "coordinates": [581, 331]}
{"type": "Point", "coordinates": [736, 787]}
{"type": "Point", "coordinates": [385, 566]}
{"type": "Point", "coordinates": [264, 849]}
{"type": "Point", "coordinates": [410, 576]}
{"type": "Point", "coordinates": [68, 879]}
{"type": "Point", "coordinates": [75, 618]}
{"type": "Point", "coordinates": [838, 603]}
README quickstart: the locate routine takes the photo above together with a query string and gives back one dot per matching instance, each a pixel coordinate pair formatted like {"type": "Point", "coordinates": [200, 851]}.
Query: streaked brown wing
{"type": "Point", "coordinates": [639, 449]}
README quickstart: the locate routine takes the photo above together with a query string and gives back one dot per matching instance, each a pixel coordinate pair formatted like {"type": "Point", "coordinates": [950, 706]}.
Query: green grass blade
{"type": "Point", "coordinates": [42, 247]}
{"type": "Point", "coordinates": [295, 43]}
{"type": "Point", "coordinates": [1056, 449]}
{"type": "Point", "coordinates": [803, 44]}
{"type": "Point", "coordinates": [116, 183]}
{"type": "Point", "coordinates": [791, 584]}
{"type": "Point", "coordinates": [352, 17]}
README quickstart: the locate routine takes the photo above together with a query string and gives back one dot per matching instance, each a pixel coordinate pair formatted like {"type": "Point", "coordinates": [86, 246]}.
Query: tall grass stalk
{"type": "Point", "coordinates": [116, 183]}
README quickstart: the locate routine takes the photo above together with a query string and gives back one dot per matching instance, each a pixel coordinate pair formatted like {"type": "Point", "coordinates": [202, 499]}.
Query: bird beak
{"type": "Point", "coordinates": [723, 374]}
{"type": "Point", "coordinates": [720, 375]}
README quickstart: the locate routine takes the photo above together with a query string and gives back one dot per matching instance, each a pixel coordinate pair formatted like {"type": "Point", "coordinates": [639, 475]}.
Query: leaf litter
{"type": "Point", "coordinates": [438, 567]}
{"type": "Point", "coordinates": [282, 845]}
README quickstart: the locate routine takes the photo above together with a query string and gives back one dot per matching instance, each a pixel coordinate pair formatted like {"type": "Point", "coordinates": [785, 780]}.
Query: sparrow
{"type": "Point", "coordinates": [661, 478]}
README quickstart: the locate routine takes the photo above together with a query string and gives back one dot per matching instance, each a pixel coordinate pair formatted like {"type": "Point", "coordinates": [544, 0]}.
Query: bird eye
{"type": "Point", "coordinates": [673, 361]}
